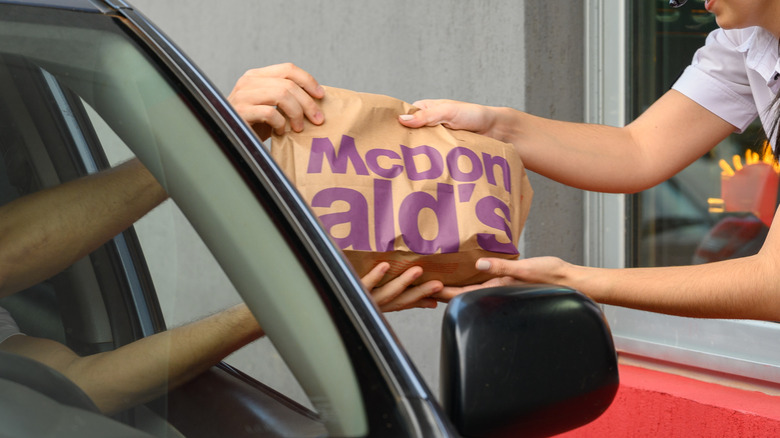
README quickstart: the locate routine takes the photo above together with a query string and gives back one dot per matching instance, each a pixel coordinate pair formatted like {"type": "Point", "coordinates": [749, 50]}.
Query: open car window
{"type": "Point", "coordinates": [78, 98]}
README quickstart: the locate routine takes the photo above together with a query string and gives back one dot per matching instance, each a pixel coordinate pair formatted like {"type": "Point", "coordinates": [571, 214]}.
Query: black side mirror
{"type": "Point", "coordinates": [529, 360]}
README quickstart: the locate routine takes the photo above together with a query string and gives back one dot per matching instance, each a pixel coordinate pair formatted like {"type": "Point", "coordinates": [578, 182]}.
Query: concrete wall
{"type": "Point", "coordinates": [554, 72]}
{"type": "Point", "coordinates": [527, 55]}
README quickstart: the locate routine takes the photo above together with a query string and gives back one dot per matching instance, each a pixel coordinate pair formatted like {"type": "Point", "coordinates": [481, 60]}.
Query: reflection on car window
{"type": "Point", "coordinates": [182, 266]}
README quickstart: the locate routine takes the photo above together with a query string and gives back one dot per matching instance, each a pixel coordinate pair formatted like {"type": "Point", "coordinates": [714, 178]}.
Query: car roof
{"type": "Point", "coordinates": [83, 5]}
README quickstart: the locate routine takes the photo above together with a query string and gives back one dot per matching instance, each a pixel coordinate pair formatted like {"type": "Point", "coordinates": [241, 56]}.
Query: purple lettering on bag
{"type": "Point", "coordinates": [384, 223]}
{"type": "Point", "coordinates": [447, 239]}
{"type": "Point", "coordinates": [322, 147]}
{"type": "Point", "coordinates": [356, 216]}
{"type": "Point", "coordinates": [465, 191]}
{"type": "Point", "coordinates": [434, 158]}
{"type": "Point", "coordinates": [491, 163]}
{"type": "Point", "coordinates": [486, 213]}
{"type": "Point", "coordinates": [453, 165]}
{"type": "Point", "coordinates": [372, 160]}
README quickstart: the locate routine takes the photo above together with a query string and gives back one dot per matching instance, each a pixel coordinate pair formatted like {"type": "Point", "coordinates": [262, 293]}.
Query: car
{"type": "Point", "coordinates": [79, 76]}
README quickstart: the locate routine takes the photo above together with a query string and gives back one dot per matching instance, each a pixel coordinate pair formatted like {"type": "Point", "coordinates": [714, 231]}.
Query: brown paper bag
{"type": "Point", "coordinates": [432, 197]}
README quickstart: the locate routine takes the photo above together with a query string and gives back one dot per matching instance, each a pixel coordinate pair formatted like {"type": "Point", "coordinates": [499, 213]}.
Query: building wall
{"type": "Point", "coordinates": [496, 52]}
{"type": "Point", "coordinates": [554, 88]}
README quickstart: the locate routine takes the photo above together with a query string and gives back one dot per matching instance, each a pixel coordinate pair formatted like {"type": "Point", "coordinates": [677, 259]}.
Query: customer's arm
{"type": "Point", "coordinates": [45, 232]}
{"type": "Point", "coordinates": [145, 369]}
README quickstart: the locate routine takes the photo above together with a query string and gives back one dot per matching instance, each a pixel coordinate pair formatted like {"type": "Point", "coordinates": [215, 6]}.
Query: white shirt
{"type": "Point", "coordinates": [8, 326]}
{"type": "Point", "coordinates": [735, 76]}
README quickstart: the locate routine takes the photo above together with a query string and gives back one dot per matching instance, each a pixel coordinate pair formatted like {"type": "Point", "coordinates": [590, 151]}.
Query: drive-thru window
{"type": "Point", "coordinates": [636, 50]}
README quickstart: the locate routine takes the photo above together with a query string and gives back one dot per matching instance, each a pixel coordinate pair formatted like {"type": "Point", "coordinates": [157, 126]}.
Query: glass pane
{"type": "Point", "coordinates": [701, 214]}
{"type": "Point", "coordinates": [134, 105]}
{"type": "Point", "coordinates": [181, 265]}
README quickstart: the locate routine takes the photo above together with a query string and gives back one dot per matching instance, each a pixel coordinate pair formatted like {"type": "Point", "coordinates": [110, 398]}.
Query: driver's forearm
{"type": "Point", "coordinates": [145, 369]}
{"type": "Point", "coordinates": [45, 232]}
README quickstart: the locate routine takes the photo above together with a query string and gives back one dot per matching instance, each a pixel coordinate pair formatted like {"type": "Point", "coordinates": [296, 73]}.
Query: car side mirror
{"type": "Point", "coordinates": [528, 360]}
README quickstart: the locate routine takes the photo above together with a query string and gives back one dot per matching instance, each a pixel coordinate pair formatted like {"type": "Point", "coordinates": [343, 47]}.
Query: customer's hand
{"type": "Point", "coordinates": [398, 294]}
{"type": "Point", "coordinates": [269, 98]}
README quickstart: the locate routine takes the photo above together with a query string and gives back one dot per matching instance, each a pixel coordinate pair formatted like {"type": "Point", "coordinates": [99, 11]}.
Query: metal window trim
{"type": "Point", "coordinates": [88, 160]}
{"type": "Point", "coordinates": [605, 84]}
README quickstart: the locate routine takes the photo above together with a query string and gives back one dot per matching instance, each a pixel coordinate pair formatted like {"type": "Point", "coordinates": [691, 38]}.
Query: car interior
{"type": "Point", "coordinates": [58, 308]}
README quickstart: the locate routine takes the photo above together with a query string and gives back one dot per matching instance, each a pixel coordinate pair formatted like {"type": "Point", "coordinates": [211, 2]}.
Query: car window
{"type": "Point", "coordinates": [180, 263]}
{"type": "Point", "coordinates": [98, 87]}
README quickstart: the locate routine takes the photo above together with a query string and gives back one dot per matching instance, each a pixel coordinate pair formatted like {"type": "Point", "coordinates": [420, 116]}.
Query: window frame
{"type": "Point", "coordinates": [733, 347]}
{"type": "Point", "coordinates": [144, 313]}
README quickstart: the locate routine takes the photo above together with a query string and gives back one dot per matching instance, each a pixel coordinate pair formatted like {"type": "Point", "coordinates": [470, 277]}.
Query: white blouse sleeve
{"type": "Point", "coordinates": [8, 326]}
{"type": "Point", "coordinates": [717, 78]}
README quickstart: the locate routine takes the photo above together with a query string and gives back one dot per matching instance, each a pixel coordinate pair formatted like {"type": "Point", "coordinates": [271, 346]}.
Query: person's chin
{"type": "Point", "coordinates": [725, 23]}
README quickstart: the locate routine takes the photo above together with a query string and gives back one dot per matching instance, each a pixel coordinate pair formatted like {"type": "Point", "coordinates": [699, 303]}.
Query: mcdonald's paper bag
{"type": "Point", "coordinates": [432, 197]}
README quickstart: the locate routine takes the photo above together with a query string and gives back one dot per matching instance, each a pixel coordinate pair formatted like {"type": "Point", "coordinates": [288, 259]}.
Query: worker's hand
{"type": "Point", "coordinates": [508, 272]}
{"type": "Point", "coordinates": [451, 114]}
